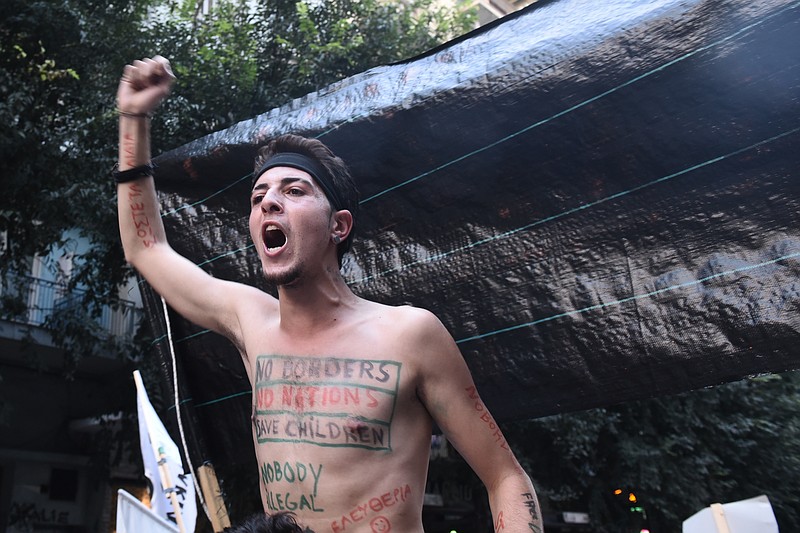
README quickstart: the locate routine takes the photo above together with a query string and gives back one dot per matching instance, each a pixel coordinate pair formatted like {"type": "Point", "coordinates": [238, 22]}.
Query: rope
{"type": "Point", "coordinates": [178, 411]}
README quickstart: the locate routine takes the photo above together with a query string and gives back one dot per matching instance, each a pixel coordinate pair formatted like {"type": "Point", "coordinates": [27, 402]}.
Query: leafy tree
{"type": "Point", "coordinates": [676, 454]}
{"type": "Point", "coordinates": [56, 64]}
{"type": "Point", "coordinates": [243, 59]}
{"type": "Point", "coordinates": [322, 42]}
{"type": "Point", "coordinates": [59, 66]}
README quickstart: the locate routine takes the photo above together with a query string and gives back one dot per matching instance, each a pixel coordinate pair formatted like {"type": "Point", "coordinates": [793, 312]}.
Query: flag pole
{"type": "Point", "coordinates": [210, 486]}
{"type": "Point", "coordinates": [166, 482]}
{"type": "Point", "coordinates": [161, 458]}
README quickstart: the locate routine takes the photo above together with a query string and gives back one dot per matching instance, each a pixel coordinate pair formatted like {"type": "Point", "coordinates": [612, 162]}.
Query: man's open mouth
{"type": "Point", "coordinates": [274, 238]}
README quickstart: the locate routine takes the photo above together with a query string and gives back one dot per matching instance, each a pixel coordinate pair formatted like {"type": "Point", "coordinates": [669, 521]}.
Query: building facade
{"type": "Point", "coordinates": [61, 407]}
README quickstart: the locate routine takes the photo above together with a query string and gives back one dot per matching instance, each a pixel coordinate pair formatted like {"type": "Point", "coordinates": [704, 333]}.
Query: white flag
{"type": "Point", "coordinates": [134, 517]}
{"type": "Point", "coordinates": [754, 515]}
{"type": "Point", "coordinates": [153, 437]}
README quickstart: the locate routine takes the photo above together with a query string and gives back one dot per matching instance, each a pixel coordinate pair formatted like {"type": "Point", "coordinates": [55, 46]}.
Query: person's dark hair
{"type": "Point", "coordinates": [283, 522]}
{"type": "Point", "coordinates": [340, 176]}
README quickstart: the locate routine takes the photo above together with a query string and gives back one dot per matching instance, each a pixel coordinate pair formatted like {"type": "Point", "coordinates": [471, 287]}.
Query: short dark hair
{"type": "Point", "coordinates": [283, 522]}
{"type": "Point", "coordinates": [339, 173]}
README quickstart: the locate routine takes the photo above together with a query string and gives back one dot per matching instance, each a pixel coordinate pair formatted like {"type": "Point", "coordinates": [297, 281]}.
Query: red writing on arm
{"type": "Point", "coordinates": [128, 145]}
{"type": "Point", "coordinates": [487, 418]}
{"type": "Point", "coordinates": [140, 220]}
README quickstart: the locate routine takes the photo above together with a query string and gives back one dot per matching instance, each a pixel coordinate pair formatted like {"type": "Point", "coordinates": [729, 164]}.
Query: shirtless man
{"type": "Point", "coordinates": [345, 391]}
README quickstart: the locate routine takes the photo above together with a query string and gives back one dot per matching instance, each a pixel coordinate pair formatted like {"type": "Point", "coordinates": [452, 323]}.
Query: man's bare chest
{"type": "Point", "coordinates": [325, 401]}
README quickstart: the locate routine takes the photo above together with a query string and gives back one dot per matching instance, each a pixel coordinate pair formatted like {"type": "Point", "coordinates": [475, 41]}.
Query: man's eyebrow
{"type": "Point", "coordinates": [284, 181]}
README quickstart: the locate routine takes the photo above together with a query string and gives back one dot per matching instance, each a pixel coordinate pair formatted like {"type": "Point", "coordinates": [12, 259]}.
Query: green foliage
{"type": "Point", "coordinates": [60, 63]}
{"type": "Point", "coordinates": [677, 454]}
{"type": "Point", "coordinates": [305, 46]}
{"type": "Point", "coordinates": [56, 94]}
{"type": "Point", "coordinates": [213, 59]}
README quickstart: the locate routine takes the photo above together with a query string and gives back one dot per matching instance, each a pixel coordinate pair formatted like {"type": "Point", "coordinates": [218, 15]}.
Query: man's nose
{"type": "Point", "coordinates": [270, 203]}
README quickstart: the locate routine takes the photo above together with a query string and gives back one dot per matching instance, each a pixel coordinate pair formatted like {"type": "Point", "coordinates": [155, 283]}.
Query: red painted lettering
{"type": "Point", "coordinates": [375, 504]}
{"type": "Point", "coordinates": [128, 149]}
{"type": "Point", "coordinates": [380, 524]}
{"type": "Point", "coordinates": [265, 398]}
{"type": "Point", "coordinates": [487, 419]}
{"type": "Point", "coordinates": [373, 402]}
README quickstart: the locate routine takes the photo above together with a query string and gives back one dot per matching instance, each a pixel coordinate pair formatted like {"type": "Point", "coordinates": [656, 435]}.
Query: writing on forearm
{"type": "Point", "coordinates": [529, 500]}
{"type": "Point", "coordinates": [487, 418]}
{"type": "Point", "coordinates": [128, 150]}
{"type": "Point", "coordinates": [140, 220]}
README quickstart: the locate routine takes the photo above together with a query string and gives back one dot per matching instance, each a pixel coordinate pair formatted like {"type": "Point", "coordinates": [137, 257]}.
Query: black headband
{"type": "Point", "coordinates": [306, 164]}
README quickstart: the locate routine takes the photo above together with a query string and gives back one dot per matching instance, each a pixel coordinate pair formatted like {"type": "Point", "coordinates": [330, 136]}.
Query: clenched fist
{"type": "Point", "coordinates": [144, 85]}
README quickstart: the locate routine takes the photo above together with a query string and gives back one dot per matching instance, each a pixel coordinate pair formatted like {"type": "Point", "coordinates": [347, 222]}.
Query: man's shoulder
{"type": "Point", "coordinates": [237, 289]}
{"type": "Point", "coordinates": [251, 303]}
{"type": "Point", "coordinates": [406, 320]}
{"type": "Point", "coordinates": [402, 312]}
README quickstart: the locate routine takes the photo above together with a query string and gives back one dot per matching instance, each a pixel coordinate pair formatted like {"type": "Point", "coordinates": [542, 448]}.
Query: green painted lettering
{"type": "Point", "coordinates": [316, 475]}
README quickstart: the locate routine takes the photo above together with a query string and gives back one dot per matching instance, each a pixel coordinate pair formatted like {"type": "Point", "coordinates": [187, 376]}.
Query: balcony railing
{"type": "Point", "coordinates": [41, 298]}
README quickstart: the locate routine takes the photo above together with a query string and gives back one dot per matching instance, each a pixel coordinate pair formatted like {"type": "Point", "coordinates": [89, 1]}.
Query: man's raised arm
{"type": "Point", "coordinates": [190, 291]}
{"type": "Point", "coordinates": [143, 86]}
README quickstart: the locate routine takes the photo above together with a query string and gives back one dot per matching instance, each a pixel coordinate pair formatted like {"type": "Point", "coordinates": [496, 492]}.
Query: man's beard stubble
{"type": "Point", "coordinates": [285, 278]}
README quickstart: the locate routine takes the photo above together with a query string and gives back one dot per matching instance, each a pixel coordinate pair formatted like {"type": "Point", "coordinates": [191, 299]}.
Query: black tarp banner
{"type": "Point", "coordinates": [598, 199]}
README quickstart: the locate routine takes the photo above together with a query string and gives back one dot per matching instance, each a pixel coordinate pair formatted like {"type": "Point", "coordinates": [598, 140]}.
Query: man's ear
{"type": "Point", "coordinates": [342, 224]}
